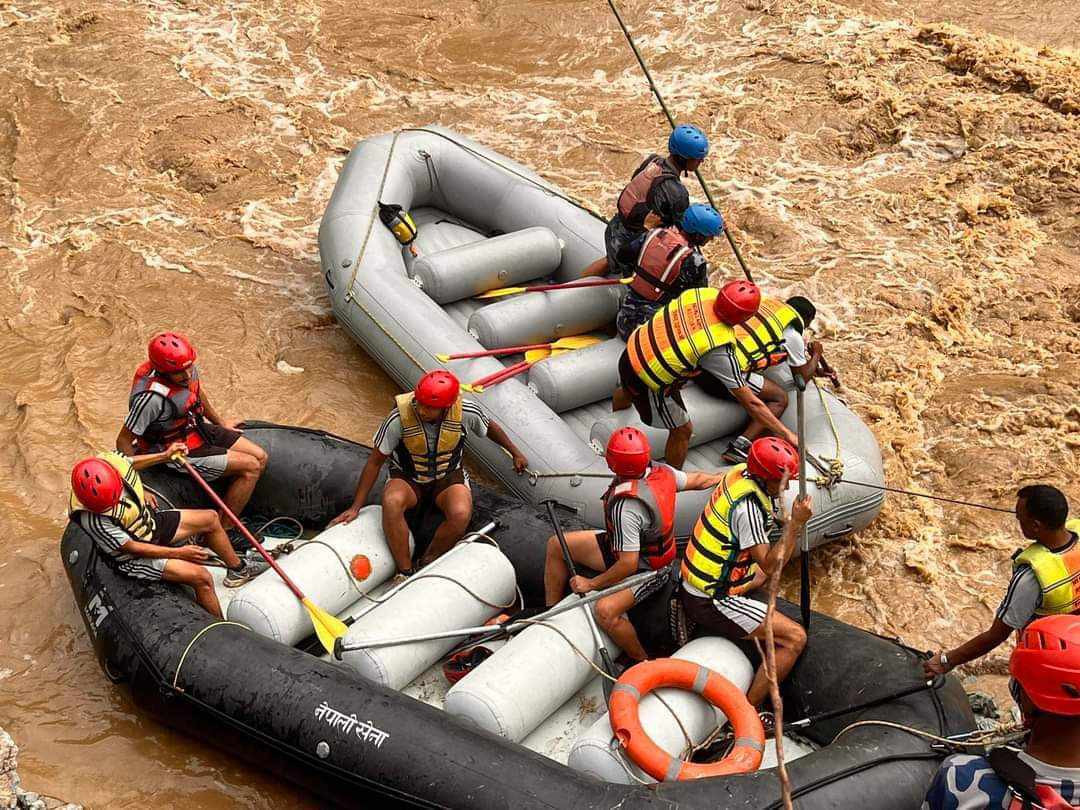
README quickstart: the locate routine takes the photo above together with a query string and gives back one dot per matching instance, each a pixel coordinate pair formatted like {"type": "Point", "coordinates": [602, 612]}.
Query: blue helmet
{"type": "Point", "coordinates": [687, 141]}
{"type": "Point", "coordinates": [703, 220]}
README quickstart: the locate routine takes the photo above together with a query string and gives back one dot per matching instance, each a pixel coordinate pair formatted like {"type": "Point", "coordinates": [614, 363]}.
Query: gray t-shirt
{"type": "Point", "coordinates": [146, 408]}
{"type": "Point", "coordinates": [721, 363]}
{"type": "Point", "coordinates": [796, 347]}
{"type": "Point", "coordinates": [388, 436]}
{"type": "Point", "coordinates": [107, 532]}
{"type": "Point", "coordinates": [631, 518]}
{"type": "Point", "coordinates": [1023, 597]}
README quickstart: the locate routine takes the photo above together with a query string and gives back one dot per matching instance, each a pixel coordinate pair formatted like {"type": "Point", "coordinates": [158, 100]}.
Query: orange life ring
{"type": "Point", "coordinates": [643, 678]}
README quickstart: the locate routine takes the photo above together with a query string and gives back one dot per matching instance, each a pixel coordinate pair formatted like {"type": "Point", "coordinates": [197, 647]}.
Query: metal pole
{"type": "Point", "coordinates": [671, 122]}
{"type": "Point", "coordinates": [804, 540]}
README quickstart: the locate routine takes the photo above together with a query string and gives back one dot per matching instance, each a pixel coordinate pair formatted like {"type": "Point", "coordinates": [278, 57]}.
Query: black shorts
{"type": "Point", "coordinates": [218, 440]}
{"type": "Point", "coordinates": [645, 589]}
{"type": "Point", "coordinates": [166, 522]}
{"type": "Point", "coordinates": [427, 493]}
{"type": "Point", "coordinates": [617, 245]}
{"type": "Point", "coordinates": [733, 617]}
{"type": "Point", "coordinates": [662, 409]}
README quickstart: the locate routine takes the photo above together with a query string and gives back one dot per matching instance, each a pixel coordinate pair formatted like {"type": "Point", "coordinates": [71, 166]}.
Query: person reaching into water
{"type": "Point", "coordinates": [1045, 773]}
{"type": "Point", "coordinates": [1045, 579]}
{"type": "Point", "coordinates": [639, 516]}
{"type": "Point", "coordinates": [109, 502]}
{"type": "Point", "coordinates": [669, 261]}
{"type": "Point", "coordinates": [424, 438]}
{"type": "Point", "coordinates": [730, 555]}
{"type": "Point", "coordinates": [654, 197]}
{"type": "Point", "coordinates": [693, 334]}
{"type": "Point", "coordinates": [168, 404]}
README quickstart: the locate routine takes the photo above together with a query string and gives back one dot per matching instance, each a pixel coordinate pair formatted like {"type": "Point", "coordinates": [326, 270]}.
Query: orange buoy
{"type": "Point", "coordinates": [360, 567]}
{"type": "Point", "coordinates": [643, 678]}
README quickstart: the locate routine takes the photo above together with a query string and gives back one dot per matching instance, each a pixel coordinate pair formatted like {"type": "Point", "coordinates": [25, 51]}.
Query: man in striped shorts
{"type": "Point", "coordinates": [730, 555]}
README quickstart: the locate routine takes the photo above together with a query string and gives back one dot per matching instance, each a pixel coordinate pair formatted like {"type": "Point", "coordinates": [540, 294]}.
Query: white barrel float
{"type": "Point", "coordinates": [538, 317]}
{"type": "Point", "coordinates": [322, 571]}
{"type": "Point", "coordinates": [712, 418]}
{"type": "Point", "coordinates": [595, 754]}
{"type": "Point", "coordinates": [517, 688]}
{"type": "Point", "coordinates": [577, 378]}
{"type": "Point", "coordinates": [502, 261]}
{"type": "Point", "coordinates": [431, 604]}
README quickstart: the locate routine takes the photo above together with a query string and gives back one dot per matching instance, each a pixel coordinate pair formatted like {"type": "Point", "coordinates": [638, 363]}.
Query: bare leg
{"type": "Point", "coordinates": [621, 399]}
{"type": "Point", "coordinates": [196, 576]}
{"type": "Point", "coordinates": [611, 616]}
{"type": "Point", "coordinates": [398, 497]}
{"type": "Point", "coordinates": [583, 549]}
{"type": "Point", "coordinates": [678, 445]}
{"type": "Point", "coordinates": [207, 523]}
{"type": "Point", "coordinates": [775, 399]}
{"type": "Point", "coordinates": [455, 502]}
{"type": "Point", "coordinates": [596, 268]}
{"type": "Point", "coordinates": [790, 640]}
{"type": "Point", "coordinates": [245, 463]}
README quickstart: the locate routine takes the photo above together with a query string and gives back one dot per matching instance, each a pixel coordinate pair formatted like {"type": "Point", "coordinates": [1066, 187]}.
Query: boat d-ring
{"type": "Point", "coordinates": [643, 678]}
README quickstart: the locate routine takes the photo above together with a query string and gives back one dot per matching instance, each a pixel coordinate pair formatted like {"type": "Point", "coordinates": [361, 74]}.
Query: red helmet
{"type": "Point", "coordinates": [770, 458]}
{"type": "Point", "coordinates": [628, 453]}
{"type": "Point", "coordinates": [1046, 663]}
{"type": "Point", "coordinates": [737, 301]}
{"type": "Point", "coordinates": [171, 352]}
{"type": "Point", "coordinates": [437, 389]}
{"type": "Point", "coordinates": [97, 484]}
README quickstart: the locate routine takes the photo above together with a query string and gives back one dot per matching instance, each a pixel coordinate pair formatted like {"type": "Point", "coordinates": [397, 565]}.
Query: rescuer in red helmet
{"type": "Point", "coordinates": [168, 404]}
{"type": "Point", "coordinates": [730, 554]}
{"type": "Point", "coordinates": [693, 334]}
{"type": "Point", "coordinates": [1045, 669]}
{"type": "Point", "coordinates": [424, 438]}
{"type": "Point", "coordinates": [639, 535]}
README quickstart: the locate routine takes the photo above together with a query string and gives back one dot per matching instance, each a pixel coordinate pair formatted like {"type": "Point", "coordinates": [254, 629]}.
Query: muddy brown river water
{"type": "Point", "coordinates": [913, 167]}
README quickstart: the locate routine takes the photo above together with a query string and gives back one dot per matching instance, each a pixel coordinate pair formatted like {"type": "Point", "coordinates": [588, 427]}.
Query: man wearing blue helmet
{"type": "Point", "coordinates": [654, 197]}
{"type": "Point", "coordinates": [669, 261]}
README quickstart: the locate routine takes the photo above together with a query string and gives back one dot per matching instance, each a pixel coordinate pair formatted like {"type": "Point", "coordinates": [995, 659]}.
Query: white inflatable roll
{"type": "Point", "coordinates": [502, 261]}
{"type": "Point", "coordinates": [595, 754]}
{"type": "Point", "coordinates": [539, 317]}
{"type": "Point", "coordinates": [430, 604]}
{"type": "Point", "coordinates": [577, 378]}
{"type": "Point", "coordinates": [517, 688]}
{"type": "Point", "coordinates": [320, 570]}
{"type": "Point", "coordinates": [712, 418]}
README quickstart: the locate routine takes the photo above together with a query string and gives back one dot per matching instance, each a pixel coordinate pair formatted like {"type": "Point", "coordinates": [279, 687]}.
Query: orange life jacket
{"type": "Point", "coordinates": [657, 491]}
{"type": "Point", "coordinates": [633, 202]}
{"type": "Point", "coordinates": [659, 263]}
{"type": "Point", "coordinates": [184, 409]}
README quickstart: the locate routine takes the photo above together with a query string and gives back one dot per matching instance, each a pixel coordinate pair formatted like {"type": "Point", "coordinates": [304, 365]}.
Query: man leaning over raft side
{"type": "Point", "coordinates": [424, 438]}
{"type": "Point", "coordinates": [1045, 579]}
{"type": "Point", "coordinates": [639, 516]}
{"type": "Point", "coordinates": [108, 501]}
{"type": "Point", "coordinates": [654, 197]}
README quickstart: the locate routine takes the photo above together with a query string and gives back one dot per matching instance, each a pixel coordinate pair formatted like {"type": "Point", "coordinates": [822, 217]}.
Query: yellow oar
{"type": "Point", "coordinates": [531, 358]}
{"type": "Point", "coordinates": [570, 285]}
{"type": "Point", "coordinates": [575, 342]}
{"type": "Point", "coordinates": [327, 626]}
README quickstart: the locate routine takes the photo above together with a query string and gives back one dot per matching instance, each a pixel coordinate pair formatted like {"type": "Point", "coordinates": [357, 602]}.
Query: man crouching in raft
{"type": "Point", "coordinates": [424, 437]}
{"type": "Point", "coordinates": [639, 515]}
{"type": "Point", "coordinates": [109, 503]}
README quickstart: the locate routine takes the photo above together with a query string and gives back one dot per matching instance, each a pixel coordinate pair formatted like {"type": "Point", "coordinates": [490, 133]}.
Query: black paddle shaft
{"type": "Point", "coordinates": [934, 684]}
{"type": "Point", "coordinates": [804, 562]}
{"type": "Point", "coordinates": [605, 656]}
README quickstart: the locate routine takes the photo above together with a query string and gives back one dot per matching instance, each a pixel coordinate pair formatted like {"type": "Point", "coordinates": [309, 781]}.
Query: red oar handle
{"type": "Point", "coordinates": [499, 376]}
{"type": "Point", "coordinates": [243, 529]}
{"type": "Point", "coordinates": [501, 350]}
{"type": "Point", "coordinates": [574, 285]}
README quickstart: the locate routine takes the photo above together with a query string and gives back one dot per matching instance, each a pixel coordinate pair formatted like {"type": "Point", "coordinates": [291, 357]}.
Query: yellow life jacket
{"type": "Point", "coordinates": [132, 512]}
{"type": "Point", "coordinates": [420, 461]}
{"type": "Point", "coordinates": [760, 341]}
{"type": "Point", "coordinates": [713, 562]}
{"type": "Point", "coordinates": [668, 348]}
{"type": "Point", "coordinates": [1058, 574]}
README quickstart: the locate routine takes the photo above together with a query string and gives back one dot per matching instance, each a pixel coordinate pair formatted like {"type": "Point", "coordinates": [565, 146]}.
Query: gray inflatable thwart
{"type": "Point", "coordinates": [403, 311]}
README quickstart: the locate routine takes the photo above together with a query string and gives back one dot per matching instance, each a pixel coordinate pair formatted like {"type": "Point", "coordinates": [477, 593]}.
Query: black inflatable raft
{"type": "Point", "coordinates": [255, 697]}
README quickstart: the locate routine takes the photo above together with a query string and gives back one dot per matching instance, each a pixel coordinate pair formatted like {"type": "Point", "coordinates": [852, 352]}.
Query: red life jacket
{"type": "Point", "coordinates": [659, 262]}
{"type": "Point", "coordinates": [1021, 780]}
{"type": "Point", "coordinates": [633, 203]}
{"type": "Point", "coordinates": [657, 491]}
{"type": "Point", "coordinates": [183, 410]}
{"type": "Point", "coordinates": [1049, 799]}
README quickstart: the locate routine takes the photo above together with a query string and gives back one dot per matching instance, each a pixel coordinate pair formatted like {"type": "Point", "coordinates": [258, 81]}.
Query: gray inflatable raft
{"type": "Point", "coordinates": [484, 222]}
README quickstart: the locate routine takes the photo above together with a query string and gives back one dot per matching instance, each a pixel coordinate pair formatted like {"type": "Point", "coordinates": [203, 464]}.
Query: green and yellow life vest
{"type": "Point", "coordinates": [1058, 574]}
{"type": "Point", "coordinates": [419, 460]}
{"type": "Point", "coordinates": [760, 340]}
{"type": "Point", "coordinates": [132, 512]}
{"type": "Point", "coordinates": [713, 563]}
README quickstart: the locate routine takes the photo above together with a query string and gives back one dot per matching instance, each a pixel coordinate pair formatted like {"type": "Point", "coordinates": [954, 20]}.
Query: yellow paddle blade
{"type": "Point", "coordinates": [576, 342]}
{"type": "Point", "coordinates": [472, 389]}
{"type": "Point", "coordinates": [499, 293]}
{"type": "Point", "coordinates": [443, 358]}
{"type": "Point", "coordinates": [536, 355]}
{"type": "Point", "coordinates": [327, 626]}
